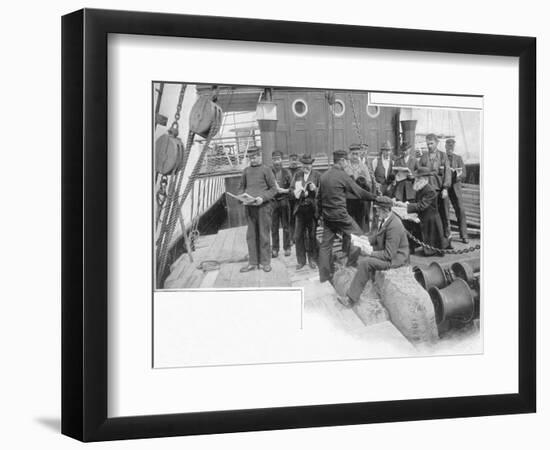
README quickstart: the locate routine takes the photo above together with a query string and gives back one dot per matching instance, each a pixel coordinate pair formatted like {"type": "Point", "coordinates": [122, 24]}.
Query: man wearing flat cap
{"type": "Point", "coordinates": [440, 178]}
{"type": "Point", "coordinates": [335, 187]}
{"type": "Point", "coordinates": [258, 181]}
{"type": "Point", "coordinates": [281, 208]}
{"type": "Point", "coordinates": [303, 189]}
{"type": "Point", "coordinates": [390, 249]}
{"type": "Point", "coordinates": [458, 173]}
{"type": "Point", "coordinates": [425, 205]}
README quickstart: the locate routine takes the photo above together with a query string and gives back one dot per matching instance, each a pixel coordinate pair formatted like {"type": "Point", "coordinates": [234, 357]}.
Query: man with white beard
{"type": "Point", "coordinates": [426, 206]}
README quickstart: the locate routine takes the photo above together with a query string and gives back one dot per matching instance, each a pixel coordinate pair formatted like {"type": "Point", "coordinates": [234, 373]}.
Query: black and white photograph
{"type": "Point", "coordinates": [333, 224]}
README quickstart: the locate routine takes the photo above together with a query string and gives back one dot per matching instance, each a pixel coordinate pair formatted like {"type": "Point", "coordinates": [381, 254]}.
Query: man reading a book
{"type": "Point", "coordinates": [259, 183]}
{"type": "Point", "coordinates": [390, 249]}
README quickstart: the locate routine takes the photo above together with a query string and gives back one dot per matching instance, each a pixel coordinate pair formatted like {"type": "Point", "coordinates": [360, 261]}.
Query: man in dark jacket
{"type": "Point", "coordinates": [335, 187]}
{"type": "Point", "coordinates": [458, 173]}
{"type": "Point", "coordinates": [258, 181]}
{"type": "Point", "coordinates": [281, 208]}
{"type": "Point", "coordinates": [293, 167]}
{"type": "Point", "coordinates": [382, 167]}
{"type": "Point", "coordinates": [390, 249]}
{"type": "Point", "coordinates": [440, 179]}
{"type": "Point", "coordinates": [402, 186]}
{"type": "Point", "coordinates": [303, 189]}
{"type": "Point", "coordinates": [426, 207]}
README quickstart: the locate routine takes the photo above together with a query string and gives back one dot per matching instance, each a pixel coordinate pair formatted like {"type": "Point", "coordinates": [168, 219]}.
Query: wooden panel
{"type": "Point", "coordinates": [470, 197]}
{"type": "Point", "coordinates": [281, 141]}
{"type": "Point", "coordinates": [299, 140]}
{"type": "Point", "coordinates": [282, 133]}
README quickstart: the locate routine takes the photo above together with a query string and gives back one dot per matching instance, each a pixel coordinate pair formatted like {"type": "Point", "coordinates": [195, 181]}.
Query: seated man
{"type": "Point", "coordinates": [390, 250]}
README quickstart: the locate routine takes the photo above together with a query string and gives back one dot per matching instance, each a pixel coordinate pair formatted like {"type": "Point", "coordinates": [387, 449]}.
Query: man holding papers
{"type": "Point", "coordinates": [402, 187]}
{"type": "Point", "coordinates": [389, 248]}
{"type": "Point", "coordinates": [303, 188]}
{"type": "Point", "coordinates": [259, 183]}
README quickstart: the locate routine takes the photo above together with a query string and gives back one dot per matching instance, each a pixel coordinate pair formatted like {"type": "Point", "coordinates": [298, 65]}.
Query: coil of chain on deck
{"type": "Point", "coordinates": [205, 120]}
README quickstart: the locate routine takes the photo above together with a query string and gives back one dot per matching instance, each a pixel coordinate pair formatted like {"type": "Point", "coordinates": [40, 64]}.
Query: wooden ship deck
{"type": "Point", "coordinates": [218, 258]}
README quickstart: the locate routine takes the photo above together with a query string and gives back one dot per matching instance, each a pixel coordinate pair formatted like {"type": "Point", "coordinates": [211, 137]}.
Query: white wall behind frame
{"type": "Point", "coordinates": [142, 59]}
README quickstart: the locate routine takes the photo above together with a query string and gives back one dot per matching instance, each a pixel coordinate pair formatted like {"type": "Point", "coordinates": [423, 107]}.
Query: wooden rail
{"type": "Point", "coordinates": [470, 197]}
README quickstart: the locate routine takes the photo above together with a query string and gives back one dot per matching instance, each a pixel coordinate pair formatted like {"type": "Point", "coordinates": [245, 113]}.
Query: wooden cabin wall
{"type": "Point", "coordinates": [321, 131]}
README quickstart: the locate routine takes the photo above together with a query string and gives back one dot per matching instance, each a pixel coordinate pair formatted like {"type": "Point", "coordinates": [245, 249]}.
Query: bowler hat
{"type": "Point", "coordinates": [307, 159]}
{"type": "Point", "coordinates": [253, 151]}
{"type": "Point", "coordinates": [293, 155]}
{"type": "Point", "coordinates": [354, 147]}
{"type": "Point", "coordinates": [277, 153]}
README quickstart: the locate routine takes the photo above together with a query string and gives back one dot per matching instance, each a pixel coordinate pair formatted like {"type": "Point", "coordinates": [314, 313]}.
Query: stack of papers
{"type": "Point", "coordinates": [404, 215]}
{"type": "Point", "coordinates": [362, 242]}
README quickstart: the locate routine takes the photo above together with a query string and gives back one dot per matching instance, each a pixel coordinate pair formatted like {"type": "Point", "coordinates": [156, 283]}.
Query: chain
{"type": "Point", "coordinates": [362, 142]}
{"type": "Point", "coordinates": [443, 250]}
{"type": "Point", "coordinates": [161, 196]}
{"type": "Point", "coordinates": [174, 129]}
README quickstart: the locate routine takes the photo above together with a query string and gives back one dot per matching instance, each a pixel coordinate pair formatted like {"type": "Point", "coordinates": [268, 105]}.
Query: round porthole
{"type": "Point", "coordinates": [373, 111]}
{"type": "Point", "coordinates": [299, 107]}
{"type": "Point", "coordinates": [338, 108]}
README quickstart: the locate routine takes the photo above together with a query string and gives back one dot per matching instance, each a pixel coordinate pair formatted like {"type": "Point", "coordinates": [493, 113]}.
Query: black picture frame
{"type": "Point", "coordinates": [84, 224]}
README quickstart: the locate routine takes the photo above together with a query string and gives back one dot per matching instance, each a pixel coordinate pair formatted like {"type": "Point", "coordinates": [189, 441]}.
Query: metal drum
{"type": "Point", "coordinates": [456, 301]}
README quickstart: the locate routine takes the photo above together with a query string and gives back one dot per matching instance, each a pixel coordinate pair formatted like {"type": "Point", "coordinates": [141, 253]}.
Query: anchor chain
{"type": "Point", "coordinates": [447, 251]}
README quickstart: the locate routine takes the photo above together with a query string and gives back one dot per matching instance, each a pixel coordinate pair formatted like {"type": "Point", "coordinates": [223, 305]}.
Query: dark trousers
{"type": "Point", "coordinates": [443, 208]}
{"type": "Point", "coordinates": [365, 271]}
{"type": "Point", "coordinates": [356, 209]}
{"type": "Point", "coordinates": [280, 217]}
{"type": "Point", "coordinates": [305, 234]}
{"type": "Point", "coordinates": [258, 219]}
{"type": "Point", "coordinates": [455, 196]}
{"type": "Point", "coordinates": [292, 218]}
{"type": "Point", "coordinates": [330, 229]}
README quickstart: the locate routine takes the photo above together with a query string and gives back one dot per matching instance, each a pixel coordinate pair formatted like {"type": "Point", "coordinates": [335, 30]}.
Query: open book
{"type": "Point", "coordinates": [362, 242]}
{"type": "Point", "coordinates": [243, 198]}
